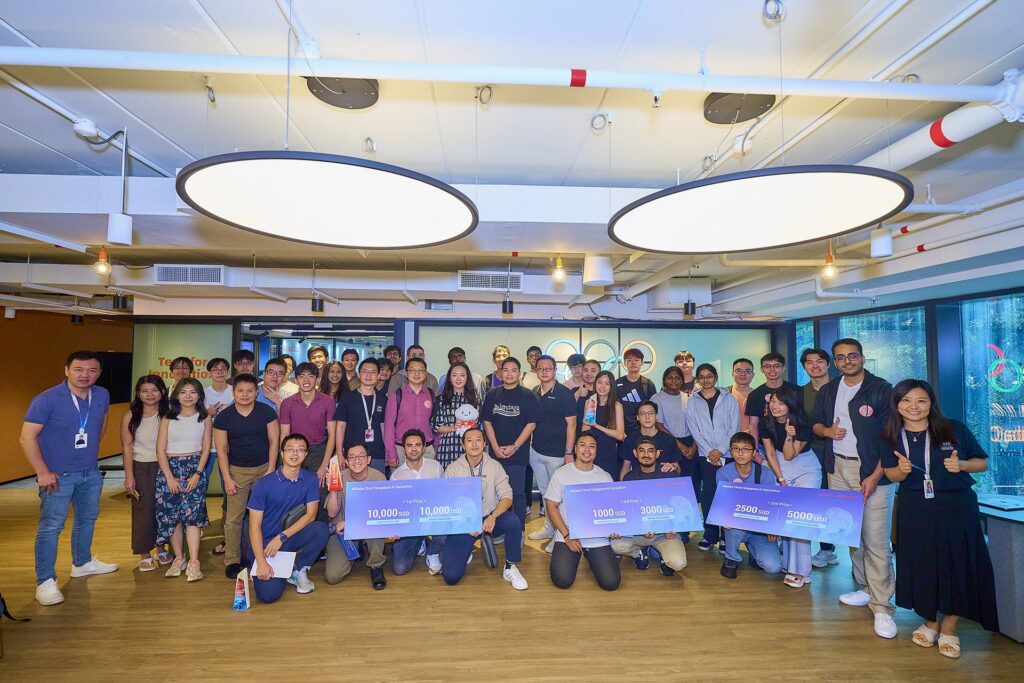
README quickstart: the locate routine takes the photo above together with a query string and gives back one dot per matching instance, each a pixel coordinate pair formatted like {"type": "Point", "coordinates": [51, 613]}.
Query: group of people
{"type": "Point", "coordinates": [273, 440]}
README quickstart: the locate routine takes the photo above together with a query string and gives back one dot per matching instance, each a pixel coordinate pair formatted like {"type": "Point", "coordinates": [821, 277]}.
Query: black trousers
{"type": "Point", "coordinates": [603, 564]}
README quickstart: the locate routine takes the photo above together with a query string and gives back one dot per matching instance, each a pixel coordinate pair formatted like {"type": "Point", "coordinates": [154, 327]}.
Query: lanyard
{"type": "Point", "coordinates": [369, 423]}
{"type": "Point", "coordinates": [83, 420]}
{"type": "Point", "coordinates": [479, 472]}
{"type": "Point", "coordinates": [927, 452]}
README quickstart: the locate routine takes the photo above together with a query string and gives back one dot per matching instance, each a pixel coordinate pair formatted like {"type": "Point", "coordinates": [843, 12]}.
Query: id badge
{"type": "Point", "coordinates": [368, 436]}
{"type": "Point", "coordinates": [81, 440]}
{"type": "Point", "coordinates": [929, 489]}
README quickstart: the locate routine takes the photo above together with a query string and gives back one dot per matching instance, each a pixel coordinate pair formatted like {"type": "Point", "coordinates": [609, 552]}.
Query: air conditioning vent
{"type": "Point", "coordinates": [487, 281]}
{"type": "Point", "coordinates": [188, 274]}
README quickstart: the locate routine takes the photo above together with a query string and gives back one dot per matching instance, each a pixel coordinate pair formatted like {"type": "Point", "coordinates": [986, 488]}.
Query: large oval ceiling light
{"type": "Point", "coordinates": [761, 209]}
{"type": "Point", "coordinates": [327, 199]}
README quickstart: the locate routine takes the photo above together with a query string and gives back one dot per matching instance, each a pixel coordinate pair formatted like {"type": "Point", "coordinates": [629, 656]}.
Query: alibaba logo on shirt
{"type": "Point", "coordinates": [506, 410]}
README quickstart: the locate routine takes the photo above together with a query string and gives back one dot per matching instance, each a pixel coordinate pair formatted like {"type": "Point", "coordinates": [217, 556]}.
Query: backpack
{"type": "Point", "coordinates": [398, 399]}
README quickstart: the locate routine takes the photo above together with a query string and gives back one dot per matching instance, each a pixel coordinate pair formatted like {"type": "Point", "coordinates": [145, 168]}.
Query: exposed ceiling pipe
{"type": "Point", "coordinates": [653, 81]}
{"type": "Point", "coordinates": [37, 236]}
{"type": "Point", "coordinates": [941, 208]}
{"type": "Point", "coordinates": [656, 278]}
{"type": "Point", "coordinates": [1010, 224]}
{"type": "Point", "coordinates": [820, 292]}
{"type": "Point", "coordinates": [883, 74]}
{"type": "Point", "coordinates": [729, 262]}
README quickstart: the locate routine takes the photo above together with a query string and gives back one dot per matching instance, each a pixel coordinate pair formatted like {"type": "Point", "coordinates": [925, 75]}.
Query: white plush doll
{"type": "Point", "coordinates": [465, 418]}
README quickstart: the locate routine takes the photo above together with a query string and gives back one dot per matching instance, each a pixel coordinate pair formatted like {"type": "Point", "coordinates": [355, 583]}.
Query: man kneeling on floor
{"type": "Point", "coordinates": [763, 549]}
{"type": "Point", "coordinates": [339, 565]}
{"type": "Point", "coordinates": [272, 498]}
{"type": "Point", "coordinates": [669, 546]}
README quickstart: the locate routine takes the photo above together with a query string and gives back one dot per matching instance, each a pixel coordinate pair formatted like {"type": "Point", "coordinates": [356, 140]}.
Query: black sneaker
{"type": "Point", "coordinates": [377, 578]}
{"type": "Point", "coordinates": [704, 545]}
{"type": "Point", "coordinates": [686, 538]}
{"type": "Point", "coordinates": [642, 561]}
{"type": "Point", "coordinates": [721, 546]}
{"type": "Point", "coordinates": [729, 568]}
{"type": "Point", "coordinates": [666, 570]}
{"type": "Point", "coordinates": [752, 562]}
{"type": "Point", "coordinates": [232, 570]}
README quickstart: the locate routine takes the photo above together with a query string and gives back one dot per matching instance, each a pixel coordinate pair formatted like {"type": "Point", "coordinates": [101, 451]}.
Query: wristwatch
{"type": "Point", "coordinates": [282, 537]}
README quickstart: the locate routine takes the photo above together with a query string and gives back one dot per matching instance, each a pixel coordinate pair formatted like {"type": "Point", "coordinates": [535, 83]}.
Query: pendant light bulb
{"type": "Point", "coordinates": [102, 265]}
{"type": "Point", "coordinates": [830, 270]}
{"type": "Point", "coordinates": [558, 274]}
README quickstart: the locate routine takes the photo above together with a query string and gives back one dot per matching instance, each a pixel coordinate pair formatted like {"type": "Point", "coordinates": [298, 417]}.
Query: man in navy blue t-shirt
{"type": "Point", "coordinates": [61, 439]}
{"type": "Point", "coordinates": [509, 415]}
{"type": "Point", "coordinates": [272, 498]}
{"type": "Point", "coordinates": [553, 439]}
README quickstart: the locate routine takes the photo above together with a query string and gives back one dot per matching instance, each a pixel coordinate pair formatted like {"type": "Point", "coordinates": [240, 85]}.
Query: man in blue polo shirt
{"type": "Point", "coordinates": [270, 528]}
{"type": "Point", "coordinates": [61, 438]}
{"type": "Point", "coordinates": [553, 439]}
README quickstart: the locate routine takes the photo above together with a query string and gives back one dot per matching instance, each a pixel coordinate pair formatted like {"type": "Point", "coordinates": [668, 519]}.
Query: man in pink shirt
{"type": "Point", "coordinates": [409, 408]}
{"type": "Point", "coordinates": [310, 413]}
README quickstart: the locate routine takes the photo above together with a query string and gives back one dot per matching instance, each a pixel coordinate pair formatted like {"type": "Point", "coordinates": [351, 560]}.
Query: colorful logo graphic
{"type": "Point", "coordinates": [1005, 375]}
{"type": "Point", "coordinates": [566, 348]}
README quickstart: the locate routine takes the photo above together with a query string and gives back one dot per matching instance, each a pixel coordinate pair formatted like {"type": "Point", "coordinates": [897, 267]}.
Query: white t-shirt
{"type": "Point", "coordinates": [430, 469]}
{"type": "Point", "coordinates": [568, 474]}
{"type": "Point", "coordinates": [225, 398]}
{"type": "Point", "coordinates": [848, 444]}
{"type": "Point", "coordinates": [530, 380]}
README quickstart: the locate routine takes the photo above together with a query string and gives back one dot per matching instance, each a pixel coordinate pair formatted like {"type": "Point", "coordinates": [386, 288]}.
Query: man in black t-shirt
{"type": "Point", "coordinates": [247, 436]}
{"type": "Point", "coordinates": [509, 415]}
{"type": "Point", "coordinates": [670, 457]}
{"type": "Point", "coordinates": [632, 388]}
{"type": "Point", "coordinates": [354, 407]}
{"type": "Point", "coordinates": [773, 366]}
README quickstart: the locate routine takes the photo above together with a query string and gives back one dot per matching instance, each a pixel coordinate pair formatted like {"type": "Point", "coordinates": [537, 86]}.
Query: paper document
{"type": "Point", "coordinates": [282, 563]}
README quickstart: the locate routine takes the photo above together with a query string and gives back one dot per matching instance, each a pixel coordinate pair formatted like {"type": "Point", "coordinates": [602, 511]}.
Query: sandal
{"type": "Point", "coordinates": [949, 646]}
{"type": "Point", "coordinates": [219, 549]}
{"type": "Point", "coordinates": [164, 557]}
{"type": "Point", "coordinates": [924, 636]}
{"type": "Point", "coordinates": [146, 565]}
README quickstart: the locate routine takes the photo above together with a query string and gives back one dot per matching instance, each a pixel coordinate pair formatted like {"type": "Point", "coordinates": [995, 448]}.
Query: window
{"type": "Point", "coordinates": [894, 342]}
{"type": "Point", "coordinates": [804, 340]}
{"type": "Point", "coordinates": [993, 354]}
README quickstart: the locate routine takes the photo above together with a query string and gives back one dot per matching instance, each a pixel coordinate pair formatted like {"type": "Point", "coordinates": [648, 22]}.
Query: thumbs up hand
{"type": "Point", "coordinates": [790, 429]}
{"type": "Point", "coordinates": [903, 463]}
{"type": "Point", "coordinates": [838, 433]}
{"type": "Point", "coordinates": [952, 463]}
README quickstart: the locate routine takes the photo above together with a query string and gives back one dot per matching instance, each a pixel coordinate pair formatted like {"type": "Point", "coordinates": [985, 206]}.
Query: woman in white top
{"type": "Point", "coordinates": [217, 397]}
{"type": "Point", "coordinates": [139, 428]}
{"type": "Point", "coordinates": [182, 449]}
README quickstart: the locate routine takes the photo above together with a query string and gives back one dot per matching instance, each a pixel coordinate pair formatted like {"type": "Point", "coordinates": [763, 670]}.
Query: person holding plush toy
{"type": "Point", "coordinates": [457, 410]}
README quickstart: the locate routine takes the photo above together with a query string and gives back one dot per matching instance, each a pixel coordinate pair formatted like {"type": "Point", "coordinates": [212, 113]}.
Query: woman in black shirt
{"type": "Point", "coordinates": [943, 569]}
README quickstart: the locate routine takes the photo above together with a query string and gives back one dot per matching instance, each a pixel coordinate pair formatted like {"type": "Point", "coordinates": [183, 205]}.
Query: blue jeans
{"type": "Point", "coordinates": [707, 474]}
{"type": "Point", "coordinates": [307, 544]}
{"type": "Point", "coordinates": [458, 547]}
{"type": "Point", "coordinates": [80, 490]}
{"type": "Point", "coordinates": [404, 550]}
{"type": "Point", "coordinates": [764, 552]}
{"type": "Point", "coordinates": [517, 480]}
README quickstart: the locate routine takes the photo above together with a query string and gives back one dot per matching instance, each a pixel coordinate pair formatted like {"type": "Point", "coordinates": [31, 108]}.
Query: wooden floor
{"type": "Point", "coordinates": [699, 627]}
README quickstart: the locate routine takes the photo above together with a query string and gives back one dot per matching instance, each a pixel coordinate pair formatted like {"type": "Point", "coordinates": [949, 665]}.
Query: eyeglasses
{"type": "Point", "coordinates": [854, 357]}
{"type": "Point", "coordinates": [356, 456]}
{"type": "Point", "coordinates": [273, 373]}
{"type": "Point", "coordinates": [293, 450]}
{"type": "Point", "coordinates": [748, 451]}
{"type": "Point", "coordinates": [772, 366]}
{"type": "Point", "coordinates": [743, 372]}
{"type": "Point", "coordinates": [706, 378]}
{"type": "Point", "coordinates": [646, 413]}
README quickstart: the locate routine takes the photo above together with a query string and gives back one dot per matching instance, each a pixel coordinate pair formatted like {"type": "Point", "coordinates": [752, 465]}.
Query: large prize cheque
{"type": "Point", "coordinates": [808, 514]}
{"type": "Point", "coordinates": [628, 508]}
{"type": "Point", "coordinates": [413, 507]}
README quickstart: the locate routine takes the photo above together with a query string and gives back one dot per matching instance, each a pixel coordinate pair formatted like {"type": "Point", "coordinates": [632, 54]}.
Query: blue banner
{"type": "Point", "coordinates": [629, 508]}
{"type": "Point", "coordinates": [808, 514]}
{"type": "Point", "coordinates": [413, 507]}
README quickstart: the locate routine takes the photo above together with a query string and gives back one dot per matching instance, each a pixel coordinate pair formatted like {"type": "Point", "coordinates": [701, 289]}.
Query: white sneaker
{"type": "Point", "coordinates": [422, 550]}
{"type": "Point", "coordinates": [513, 576]}
{"type": "Point", "coordinates": [434, 564]}
{"type": "Point", "coordinates": [92, 567]}
{"type": "Point", "coordinates": [300, 579]}
{"type": "Point", "coordinates": [469, 559]}
{"type": "Point", "coordinates": [47, 593]}
{"type": "Point", "coordinates": [545, 532]}
{"type": "Point", "coordinates": [855, 599]}
{"type": "Point", "coordinates": [549, 547]}
{"type": "Point", "coordinates": [824, 558]}
{"type": "Point", "coordinates": [885, 627]}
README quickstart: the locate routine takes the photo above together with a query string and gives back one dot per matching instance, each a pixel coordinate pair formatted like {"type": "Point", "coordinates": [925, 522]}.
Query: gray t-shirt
{"type": "Point", "coordinates": [672, 412]}
{"type": "Point", "coordinates": [568, 474]}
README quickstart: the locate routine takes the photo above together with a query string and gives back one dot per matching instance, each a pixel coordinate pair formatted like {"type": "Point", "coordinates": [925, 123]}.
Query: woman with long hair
{"type": "Point", "coordinates": [459, 390]}
{"type": "Point", "coordinates": [332, 380]}
{"type": "Point", "coordinates": [182, 449]}
{"type": "Point", "coordinates": [139, 428]}
{"type": "Point", "coordinates": [787, 437]}
{"type": "Point", "coordinates": [943, 569]}
{"type": "Point", "coordinates": [600, 413]}
{"type": "Point", "coordinates": [712, 417]}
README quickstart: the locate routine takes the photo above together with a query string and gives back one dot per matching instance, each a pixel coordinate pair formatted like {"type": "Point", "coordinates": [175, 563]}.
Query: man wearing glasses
{"type": "Point", "coordinates": [742, 376]}
{"type": "Point", "coordinates": [338, 564]}
{"type": "Point", "coordinates": [849, 413]}
{"type": "Point", "coordinates": [270, 392]}
{"type": "Point", "coordinates": [773, 366]}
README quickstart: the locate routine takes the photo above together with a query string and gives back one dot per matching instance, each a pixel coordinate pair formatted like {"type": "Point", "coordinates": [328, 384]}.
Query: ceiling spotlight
{"type": "Point", "coordinates": [830, 270]}
{"type": "Point", "coordinates": [77, 319]}
{"type": "Point", "coordinates": [120, 302]}
{"type": "Point", "coordinates": [316, 304]}
{"type": "Point", "coordinates": [558, 274]}
{"type": "Point", "coordinates": [507, 308]}
{"type": "Point", "coordinates": [102, 265]}
{"type": "Point", "coordinates": [689, 309]}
